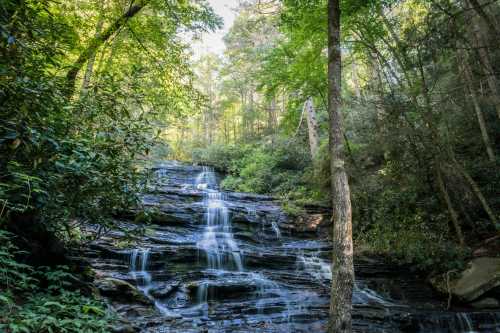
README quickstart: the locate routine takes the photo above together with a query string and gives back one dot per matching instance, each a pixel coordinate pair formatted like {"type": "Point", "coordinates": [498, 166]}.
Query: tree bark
{"type": "Point", "coordinates": [478, 8]}
{"type": "Point", "coordinates": [491, 80]}
{"type": "Point", "coordinates": [355, 81]}
{"type": "Point", "coordinates": [449, 205]}
{"type": "Point", "coordinates": [477, 191]}
{"type": "Point", "coordinates": [98, 41]}
{"type": "Point", "coordinates": [90, 63]}
{"type": "Point", "coordinates": [271, 120]}
{"type": "Point", "coordinates": [312, 126]}
{"type": "Point", "coordinates": [467, 72]}
{"type": "Point", "coordinates": [343, 268]}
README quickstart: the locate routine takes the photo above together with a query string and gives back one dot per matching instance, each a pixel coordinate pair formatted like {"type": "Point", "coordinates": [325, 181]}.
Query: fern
{"type": "Point", "coordinates": [26, 307]}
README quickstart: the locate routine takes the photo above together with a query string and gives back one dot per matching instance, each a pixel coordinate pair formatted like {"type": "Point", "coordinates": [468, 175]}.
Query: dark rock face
{"type": "Point", "coordinates": [233, 262]}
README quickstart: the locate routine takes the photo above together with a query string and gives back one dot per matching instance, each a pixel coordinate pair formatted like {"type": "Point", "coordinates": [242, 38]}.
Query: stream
{"type": "Point", "coordinates": [216, 261]}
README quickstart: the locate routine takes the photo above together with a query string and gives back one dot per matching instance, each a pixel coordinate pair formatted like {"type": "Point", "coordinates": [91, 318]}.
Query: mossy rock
{"type": "Point", "coordinates": [480, 276]}
{"type": "Point", "coordinates": [121, 290]}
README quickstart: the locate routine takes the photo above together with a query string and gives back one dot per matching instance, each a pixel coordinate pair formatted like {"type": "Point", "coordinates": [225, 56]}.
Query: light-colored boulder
{"type": "Point", "coordinates": [486, 303]}
{"type": "Point", "coordinates": [480, 276]}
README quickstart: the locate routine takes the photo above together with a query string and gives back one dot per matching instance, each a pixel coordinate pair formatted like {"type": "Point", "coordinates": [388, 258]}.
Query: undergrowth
{"type": "Point", "coordinates": [44, 299]}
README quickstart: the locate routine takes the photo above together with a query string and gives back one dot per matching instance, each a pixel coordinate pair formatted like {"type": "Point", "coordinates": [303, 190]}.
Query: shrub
{"type": "Point", "coordinates": [44, 299]}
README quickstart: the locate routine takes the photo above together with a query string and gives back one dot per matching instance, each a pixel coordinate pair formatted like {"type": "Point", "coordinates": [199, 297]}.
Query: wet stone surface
{"type": "Point", "coordinates": [216, 261]}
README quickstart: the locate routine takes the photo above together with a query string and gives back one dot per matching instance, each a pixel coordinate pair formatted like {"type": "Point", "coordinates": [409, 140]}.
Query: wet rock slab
{"type": "Point", "coordinates": [284, 286]}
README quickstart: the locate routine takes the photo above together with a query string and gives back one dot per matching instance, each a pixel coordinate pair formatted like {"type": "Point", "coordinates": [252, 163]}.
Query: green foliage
{"type": "Point", "coordinates": [66, 157]}
{"type": "Point", "coordinates": [44, 299]}
{"type": "Point", "coordinates": [403, 228]}
{"type": "Point", "coordinates": [13, 275]}
{"type": "Point", "coordinates": [275, 166]}
{"type": "Point", "coordinates": [222, 157]}
{"type": "Point", "coordinates": [70, 155]}
{"type": "Point", "coordinates": [400, 133]}
{"type": "Point", "coordinates": [64, 312]}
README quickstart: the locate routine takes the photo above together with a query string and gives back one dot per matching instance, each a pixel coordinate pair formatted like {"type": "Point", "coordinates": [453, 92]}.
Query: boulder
{"type": "Point", "coordinates": [125, 328]}
{"type": "Point", "coordinates": [308, 223]}
{"type": "Point", "coordinates": [121, 290]}
{"type": "Point", "coordinates": [165, 290]}
{"type": "Point", "coordinates": [486, 303]}
{"type": "Point", "coordinates": [481, 276]}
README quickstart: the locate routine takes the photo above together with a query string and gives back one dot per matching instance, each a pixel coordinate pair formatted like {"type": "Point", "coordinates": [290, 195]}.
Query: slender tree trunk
{"type": "Point", "coordinates": [491, 80]}
{"type": "Point", "coordinates": [98, 41]}
{"type": "Point", "coordinates": [449, 205]}
{"type": "Point", "coordinates": [251, 115]}
{"type": "Point", "coordinates": [477, 191]}
{"type": "Point", "coordinates": [271, 121]}
{"type": "Point", "coordinates": [355, 81]}
{"type": "Point", "coordinates": [343, 267]}
{"type": "Point", "coordinates": [90, 63]}
{"type": "Point", "coordinates": [479, 113]}
{"type": "Point", "coordinates": [478, 8]}
{"type": "Point", "coordinates": [312, 126]}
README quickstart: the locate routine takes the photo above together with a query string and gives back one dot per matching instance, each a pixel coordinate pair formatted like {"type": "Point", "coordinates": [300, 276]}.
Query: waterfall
{"type": "Point", "coordinates": [139, 258]}
{"type": "Point", "coordinates": [276, 229]}
{"type": "Point", "coordinates": [217, 241]}
{"type": "Point", "coordinates": [321, 270]}
{"type": "Point", "coordinates": [194, 272]}
{"type": "Point", "coordinates": [206, 179]}
{"type": "Point", "coordinates": [315, 266]}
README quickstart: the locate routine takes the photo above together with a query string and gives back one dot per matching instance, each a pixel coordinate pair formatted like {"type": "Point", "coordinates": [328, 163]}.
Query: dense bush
{"type": "Point", "coordinates": [276, 166]}
{"type": "Point", "coordinates": [71, 132]}
{"type": "Point", "coordinates": [44, 299]}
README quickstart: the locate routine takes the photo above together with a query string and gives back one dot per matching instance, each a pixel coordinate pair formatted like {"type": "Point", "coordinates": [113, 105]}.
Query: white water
{"type": "Point", "coordinates": [315, 266]}
{"type": "Point", "coordinates": [321, 270]}
{"type": "Point", "coordinates": [139, 258]}
{"type": "Point", "coordinates": [277, 301]}
{"type": "Point", "coordinates": [217, 242]}
{"type": "Point", "coordinates": [276, 229]}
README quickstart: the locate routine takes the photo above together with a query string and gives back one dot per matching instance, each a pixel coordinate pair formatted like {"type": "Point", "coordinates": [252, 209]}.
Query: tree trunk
{"type": "Point", "coordinates": [479, 113]}
{"type": "Point", "coordinates": [355, 81]}
{"type": "Point", "coordinates": [477, 191]}
{"type": "Point", "coordinates": [478, 8]}
{"type": "Point", "coordinates": [449, 205]}
{"type": "Point", "coordinates": [271, 120]}
{"type": "Point", "coordinates": [90, 63]}
{"type": "Point", "coordinates": [312, 126]}
{"type": "Point", "coordinates": [343, 268]}
{"type": "Point", "coordinates": [97, 42]}
{"type": "Point", "coordinates": [491, 80]}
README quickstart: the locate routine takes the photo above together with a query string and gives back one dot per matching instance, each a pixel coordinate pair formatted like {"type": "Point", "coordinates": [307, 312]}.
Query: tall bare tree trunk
{"type": "Point", "coordinates": [312, 126]}
{"type": "Point", "coordinates": [491, 79]}
{"type": "Point", "coordinates": [90, 63]}
{"type": "Point", "coordinates": [478, 8]}
{"type": "Point", "coordinates": [449, 205]}
{"type": "Point", "coordinates": [477, 191]}
{"type": "Point", "coordinates": [467, 72]}
{"type": "Point", "coordinates": [343, 268]}
{"type": "Point", "coordinates": [355, 81]}
{"type": "Point", "coordinates": [271, 120]}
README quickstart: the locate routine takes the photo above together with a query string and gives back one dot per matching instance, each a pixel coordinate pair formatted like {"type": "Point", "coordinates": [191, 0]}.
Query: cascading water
{"type": "Point", "coordinates": [195, 273]}
{"type": "Point", "coordinates": [276, 229]}
{"type": "Point", "coordinates": [139, 258]}
{"type": "Point", "coordinates": [217, 241]}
